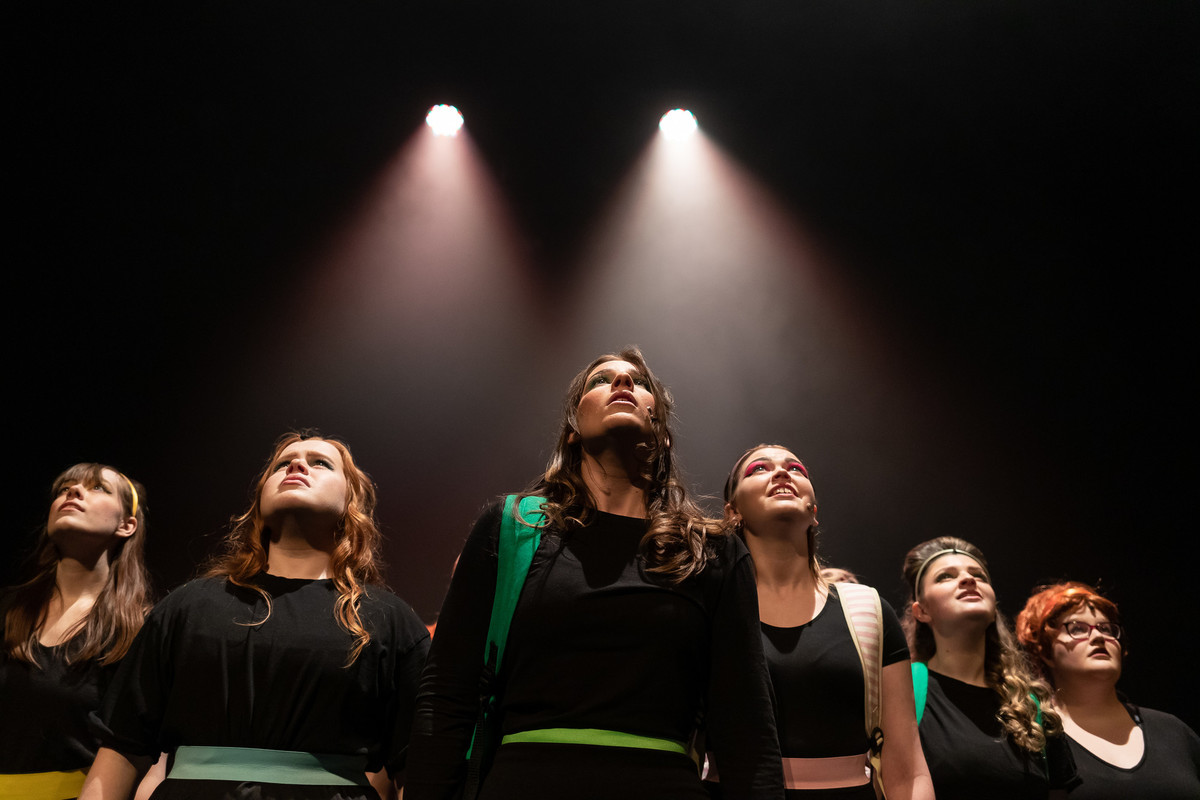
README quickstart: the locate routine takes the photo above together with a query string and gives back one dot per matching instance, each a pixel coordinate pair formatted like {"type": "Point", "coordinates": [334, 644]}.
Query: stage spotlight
{"type": "Point", "coordinates": [677, 124]}
{"type": "Point", "coordinates": [444, 120]}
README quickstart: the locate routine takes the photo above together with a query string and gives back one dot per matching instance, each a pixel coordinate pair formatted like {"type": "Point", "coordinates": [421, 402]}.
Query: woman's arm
{"type": "Point", "coordinates": [741, 711]}
{"type": "Point", "coordinates": [905, 774]}
{"type": "Point", "coordinates": [111, 777]}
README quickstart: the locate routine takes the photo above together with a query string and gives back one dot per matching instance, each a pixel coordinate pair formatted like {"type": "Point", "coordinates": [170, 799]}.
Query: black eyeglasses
{"type": "Point", "coordinates": [1077, 629]}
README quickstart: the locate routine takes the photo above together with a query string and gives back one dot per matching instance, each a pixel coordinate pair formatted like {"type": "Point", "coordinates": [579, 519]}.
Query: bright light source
{"type": "Point", "coordinates": [677, 124]}
{"type": "Point", "coordinates": [444, 120]}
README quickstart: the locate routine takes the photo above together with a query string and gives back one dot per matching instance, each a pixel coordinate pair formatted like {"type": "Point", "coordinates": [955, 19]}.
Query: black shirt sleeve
{"type": "Point", "coordinates": [448, 698]}
{"type": "Point", "coordinates": [741, 721]}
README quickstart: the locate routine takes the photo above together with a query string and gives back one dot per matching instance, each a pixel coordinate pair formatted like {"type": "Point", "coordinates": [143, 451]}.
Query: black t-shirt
{"type": "Point", "coordinates": [970, 759]}
{"type": "Point", "coordinates": [818, 680]}
{"type": "Point", "coordinates": [598, 642]}
{"type": "Point", "coordinates": [197, 674]}
{"type": "Point", "coordinates": [44, 711]}
{"type": "Point", "coordinates": [1169, 769]}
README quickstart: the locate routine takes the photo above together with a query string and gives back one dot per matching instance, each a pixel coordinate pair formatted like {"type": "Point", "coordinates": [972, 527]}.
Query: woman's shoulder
{"type": "Point", "coordinates": [1161, 721]}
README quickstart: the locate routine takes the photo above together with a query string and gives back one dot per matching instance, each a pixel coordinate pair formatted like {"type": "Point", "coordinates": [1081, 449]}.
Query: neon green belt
{"type": "Point", "coordinates": [268, 766]}
{"type": "Point", "coordinates": [41, 785]}
{"type": "Point", "coordinates": [595, 736]}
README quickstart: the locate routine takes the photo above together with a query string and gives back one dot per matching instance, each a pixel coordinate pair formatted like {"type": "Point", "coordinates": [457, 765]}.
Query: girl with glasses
{"type": "Point", "coordinates": [1073, 636]}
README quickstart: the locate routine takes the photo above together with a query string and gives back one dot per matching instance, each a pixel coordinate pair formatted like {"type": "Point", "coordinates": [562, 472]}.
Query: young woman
{"type": "Point", "coordinates": [635, 619]}
{"type": "Point", "coordinates": [814, 662]}
{"type": "Point", "coordinates": [986, 727]}
{"type": "Point", "coordinates": [1073, 636]}
{"type": "Point", "coordinates": [66, 627]}
{"type": "Point", "coordinates": [288, 671]}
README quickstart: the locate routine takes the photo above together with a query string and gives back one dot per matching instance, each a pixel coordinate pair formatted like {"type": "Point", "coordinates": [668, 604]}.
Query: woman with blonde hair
{"type": "Point", "coordinates": [634, 621]}
{"type": "Point", "coordinates": [842, 689]}
{"type": "Point", "coordinates": [66, 628]}
{"type": "Point", "coordinates": [1074, 637]}
{"type": "Point", "coordinates": [986, 725]}
{"type": "Point", "coordinates": [288, 671]}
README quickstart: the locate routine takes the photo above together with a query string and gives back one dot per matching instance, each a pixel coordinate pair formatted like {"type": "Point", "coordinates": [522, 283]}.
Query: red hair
{"type": "Point", "coordinates": [1037, 624]}
{"type": "Point", "coordinates": [354, 563]}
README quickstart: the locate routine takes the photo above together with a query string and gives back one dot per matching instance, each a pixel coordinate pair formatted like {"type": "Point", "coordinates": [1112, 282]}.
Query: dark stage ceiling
{"type": "Point", "coordinates": [988, 334]}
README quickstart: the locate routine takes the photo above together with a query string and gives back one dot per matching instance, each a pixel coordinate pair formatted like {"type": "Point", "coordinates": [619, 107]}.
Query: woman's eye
{"type": "Point", "coordinates": [321, 462]}
{"type": "Point", "coordinates": [597, 380]}
{"type": "Point", "coordinates": [758, 467]}
{"type": "Point", "coordinates": [642, 382]}
{"type": "Point", "coordinates": [100, 487]}
{"type": "Point", "coordinates": [942, 576]}
{"type": "Point", "coordinates": [279, 465]}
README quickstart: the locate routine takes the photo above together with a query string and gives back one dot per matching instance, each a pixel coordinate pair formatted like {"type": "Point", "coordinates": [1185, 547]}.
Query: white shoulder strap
{"type": "Point", "coordinates": [864, 617]}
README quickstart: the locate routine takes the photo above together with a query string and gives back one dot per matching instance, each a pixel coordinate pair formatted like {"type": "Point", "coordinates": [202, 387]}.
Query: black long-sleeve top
{"type": "Point", "coordinates": [598, 642]}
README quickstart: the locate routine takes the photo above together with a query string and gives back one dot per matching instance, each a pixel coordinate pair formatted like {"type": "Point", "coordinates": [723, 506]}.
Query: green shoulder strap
{"type": "Point", "coordinates": [520, 531]}
{"type": "Point", "coordinates": [920, 674]}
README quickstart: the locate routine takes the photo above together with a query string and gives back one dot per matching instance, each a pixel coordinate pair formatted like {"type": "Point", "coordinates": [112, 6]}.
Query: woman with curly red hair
{"type": "Point", "coordinates": [288, 671]}
{"type": "Point", "coordinates": [1073, 635]}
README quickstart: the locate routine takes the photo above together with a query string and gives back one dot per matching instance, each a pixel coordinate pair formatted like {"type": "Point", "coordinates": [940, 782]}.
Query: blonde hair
{"type": "Point", "coordinates": [1005, 668]}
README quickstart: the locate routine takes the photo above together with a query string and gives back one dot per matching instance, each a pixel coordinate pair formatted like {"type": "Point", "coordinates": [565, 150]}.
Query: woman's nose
{"type": "Point", "coordinates": [623, 379]}
{"type": "Point", "coordinates": [297, 465]}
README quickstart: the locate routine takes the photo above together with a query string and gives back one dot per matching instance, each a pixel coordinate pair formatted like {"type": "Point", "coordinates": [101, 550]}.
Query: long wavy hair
{"type": "Point", "coordinates": [1005, 667]}
{"type": "Point", "coordinates": [105, 633]}
{"type": "Point", "coordinates": [1037, 624]}
{"type": "Point", "coordinates": [354, 564]}
{"type": "Point", "coordinates": [731, 484]}
{"type": "Point", "coordinates": [676, 544]}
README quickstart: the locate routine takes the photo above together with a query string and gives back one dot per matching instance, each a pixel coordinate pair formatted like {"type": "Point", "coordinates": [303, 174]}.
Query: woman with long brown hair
{"type": "Point", "coordinates": [288, 671]}
{"type": "Point", "coordinates": [986, 724]}
{"type": "Point", "coordinates": [1074, 638]}
{"type": "Point", "coordinates": [636, 618]}
{"type": "Point", "coordinates": [813, 650]}
{"type": "Point", "coordinates": [67, 626]}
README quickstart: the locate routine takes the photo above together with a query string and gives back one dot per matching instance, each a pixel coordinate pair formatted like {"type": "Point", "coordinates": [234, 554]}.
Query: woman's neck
{"type": "Point", "coordinates": [608, 479]}
{"type": "Point", "coordinates": [961, 657]}
{"type": "Point", "coordinates": [297, 551]}
{"type": "Point", "coordinates": [75, 579]}
{"type": "Point", "coordinates": [781, 562]}
{"type": "Point", "coordinates": [788, 593]}
{"type": "Point", "coordinates": [1082, 698]}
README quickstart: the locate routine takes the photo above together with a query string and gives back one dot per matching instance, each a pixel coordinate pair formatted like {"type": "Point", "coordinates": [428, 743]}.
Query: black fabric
{"type": "Point", "coordinates": [1169, 769]}
{"type": "Point", "coordinates": [818, 681]}
{"type": "Point", "coordinates": [561, 771]}
{"type": "Point", "coordinates": [968, 757]}
{"type": "Point", "coordinates": [44, 712]}
{"type": "Point", "coordinates": [198, 674]}
{"type": "Point", "coordinates": [597, 642]}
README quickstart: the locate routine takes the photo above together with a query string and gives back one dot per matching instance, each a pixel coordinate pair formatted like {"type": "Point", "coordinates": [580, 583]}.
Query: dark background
{"type": "Point", "coordinates": [986, 330]}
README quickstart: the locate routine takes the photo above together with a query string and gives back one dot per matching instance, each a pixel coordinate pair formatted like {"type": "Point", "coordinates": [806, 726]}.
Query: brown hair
{"type": "Point", "coordinates": [676, 542]}
{"type": "Point", "coordinates": [354, 563]}
{"type": "Point", "coordinates": [1005, 668]}
{"type": "Point", "coordinates": [105, 633]}
{"type": "Point", "coordinates": [1038, 622]}
{"type": "Point", "coordinates": [731, 484]}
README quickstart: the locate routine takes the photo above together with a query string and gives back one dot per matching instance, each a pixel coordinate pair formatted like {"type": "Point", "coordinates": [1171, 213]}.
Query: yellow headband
{"type": "Point", "coordinates": [133, 489]}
